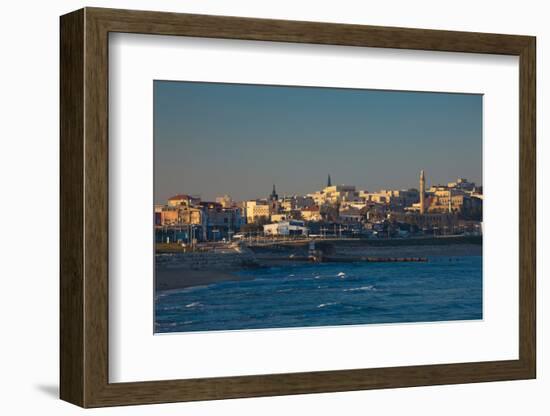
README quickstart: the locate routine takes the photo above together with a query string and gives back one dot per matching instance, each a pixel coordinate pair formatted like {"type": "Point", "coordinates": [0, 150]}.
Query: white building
{"type": "Point", "coordinates": [292, 227]}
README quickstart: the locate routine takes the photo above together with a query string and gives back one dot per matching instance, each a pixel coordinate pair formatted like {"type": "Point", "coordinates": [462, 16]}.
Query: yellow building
{"type": "Point", "coordinates": [447, 200]}
{"type": "Point", "coordinates": [191, 215]}
{"type": "Point", "coordinates": [376, 197]}
{"type": "Point", "coordinates": [311, 213]}
{"type": "Point", "coordinates": [169, 216]}
{"type": "Point", "coordinates": [335, 194]}
{"type": "Point", "coordinates": [257, 210]}
{"type": "Point", "coordinates": [279, 217]}
{"type": "Point", "coordinates": [225, 201]}
{"type": "Point", "coordinates": [182, 199]}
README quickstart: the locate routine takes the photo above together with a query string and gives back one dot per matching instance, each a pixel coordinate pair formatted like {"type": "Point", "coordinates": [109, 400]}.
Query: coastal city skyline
{"type": "Point", "coordinates": [282, 206]}
{"type": "Point", "coordinates": [282, 193]}
{"type": "Point", "coordinates": [213, 139]}
{"type": "Point", "coordinates": [450, 208]}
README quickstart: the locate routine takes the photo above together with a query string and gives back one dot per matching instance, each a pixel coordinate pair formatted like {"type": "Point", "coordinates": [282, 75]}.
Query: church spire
{"type": "Point", "coordinates": [274, 195]}
{"type": "Point", "coordinates": [329, 182]}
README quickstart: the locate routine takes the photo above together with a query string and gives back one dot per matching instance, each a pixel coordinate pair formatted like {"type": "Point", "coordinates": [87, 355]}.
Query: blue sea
{"type": "Point", "coordinates": [311, 295]}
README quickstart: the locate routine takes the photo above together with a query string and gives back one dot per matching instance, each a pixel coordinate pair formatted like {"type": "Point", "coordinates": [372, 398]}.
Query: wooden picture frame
{"type": "Point", "coordinates": [84, 207]}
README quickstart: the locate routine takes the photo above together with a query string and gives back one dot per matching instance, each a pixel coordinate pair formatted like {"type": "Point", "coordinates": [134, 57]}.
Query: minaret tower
{"type": "Point", "coordinates": [329, 182]}
{"type": "Point", "coordinates": [422, 189]}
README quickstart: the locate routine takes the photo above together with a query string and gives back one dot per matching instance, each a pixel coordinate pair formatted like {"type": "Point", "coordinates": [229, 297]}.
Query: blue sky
{"type": "Point", "coordinates": [212, 139]}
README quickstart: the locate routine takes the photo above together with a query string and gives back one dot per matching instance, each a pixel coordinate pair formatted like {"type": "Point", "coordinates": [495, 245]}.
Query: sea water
{"type": "Point", "coordinates": [312, 295]}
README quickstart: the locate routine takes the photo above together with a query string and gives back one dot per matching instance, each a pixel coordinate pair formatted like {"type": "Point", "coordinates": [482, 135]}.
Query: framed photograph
{"type": "Point", "coordinates": [255, 207]}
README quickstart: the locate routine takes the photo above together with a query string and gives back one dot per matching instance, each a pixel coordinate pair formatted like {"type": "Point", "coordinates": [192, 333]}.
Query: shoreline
{"type": "Point", "coordinates": [181, 278]}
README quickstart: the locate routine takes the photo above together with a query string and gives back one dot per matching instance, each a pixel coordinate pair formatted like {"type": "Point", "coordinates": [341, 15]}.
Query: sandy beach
{"type": "Point", "coordinates": [179, 278]}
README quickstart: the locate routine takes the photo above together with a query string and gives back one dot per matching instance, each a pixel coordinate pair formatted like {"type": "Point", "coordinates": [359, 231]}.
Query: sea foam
{"type": "Point", "coordinates": [362, 288]}
{"type": "Point", "coordinates": [322, 305]}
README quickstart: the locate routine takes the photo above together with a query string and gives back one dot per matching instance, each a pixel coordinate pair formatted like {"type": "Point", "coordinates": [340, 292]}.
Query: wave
{"type": "Point", "coordinates": [193, 304]}
{"type": "Point", "coordinates": [323, 305]}
{"type": "Point", "coordinates": [362, 288]}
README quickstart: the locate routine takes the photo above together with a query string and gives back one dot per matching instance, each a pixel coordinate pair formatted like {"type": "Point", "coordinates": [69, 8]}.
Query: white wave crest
{"type": "Point", "coordinates": [323, 305]}
{"type": "Point", "coordinates": [362, 288]}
